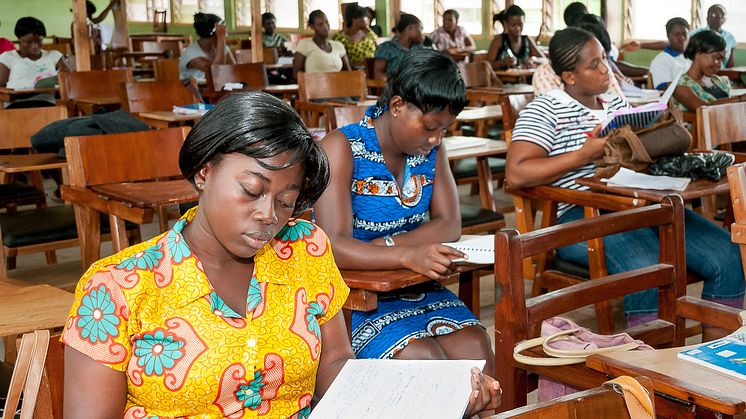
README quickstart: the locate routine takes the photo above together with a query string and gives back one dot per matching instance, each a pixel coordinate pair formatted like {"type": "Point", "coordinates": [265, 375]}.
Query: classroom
{"type": "Point", "coordinates": [391, 209]}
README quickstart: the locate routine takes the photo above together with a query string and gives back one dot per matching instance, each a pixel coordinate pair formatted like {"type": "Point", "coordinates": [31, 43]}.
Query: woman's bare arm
{"type": "Point", "coordinates": [92, 390]}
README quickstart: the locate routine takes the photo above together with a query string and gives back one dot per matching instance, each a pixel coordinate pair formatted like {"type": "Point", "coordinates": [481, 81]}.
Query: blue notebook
{"type": "Point", "coordinates": [641, 116]}
{"type": "Point", "coordinates": [726, 355]}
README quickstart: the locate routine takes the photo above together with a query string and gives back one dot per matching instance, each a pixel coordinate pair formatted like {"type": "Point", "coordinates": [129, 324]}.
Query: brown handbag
{"type": "Point", "coordinates": [636, 150]}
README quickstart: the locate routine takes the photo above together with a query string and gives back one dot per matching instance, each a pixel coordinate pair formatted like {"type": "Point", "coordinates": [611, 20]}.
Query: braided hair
{"type": "Point", "coordinates": [565, 48]}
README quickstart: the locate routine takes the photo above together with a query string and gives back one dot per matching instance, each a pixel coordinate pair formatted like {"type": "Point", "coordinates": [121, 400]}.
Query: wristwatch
{"type": "Point", "coordinates": [388, 240]}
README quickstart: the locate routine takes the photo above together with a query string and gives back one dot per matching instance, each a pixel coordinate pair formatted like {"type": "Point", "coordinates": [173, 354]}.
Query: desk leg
{"type": "Point", "coordinates": [468, 290]}
{"type": "Point", "coordinates": [486, 191]}
{"type": "Point", "coordinates": [118, 233]}
{"type": "Point", "coordinates": [162, 218]}
{"type": "Point", "coordinates": [89, 234]}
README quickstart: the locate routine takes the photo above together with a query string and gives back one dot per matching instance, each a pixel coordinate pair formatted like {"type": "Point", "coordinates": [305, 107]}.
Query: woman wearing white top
{"type": "Point", "coordinates": [319, 54]}
{"type": "Point", "coordinates": [210, 49]}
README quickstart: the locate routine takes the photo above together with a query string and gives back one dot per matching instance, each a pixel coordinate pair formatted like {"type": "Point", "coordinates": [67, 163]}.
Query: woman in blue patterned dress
{"type": "Point", "coordinates": [403, 204]}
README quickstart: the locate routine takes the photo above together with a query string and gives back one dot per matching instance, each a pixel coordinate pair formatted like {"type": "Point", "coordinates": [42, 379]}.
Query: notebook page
{"type": "Point", "coordinates": [478, 249]}
{"type": "Point", "coordinates": [392, 388]}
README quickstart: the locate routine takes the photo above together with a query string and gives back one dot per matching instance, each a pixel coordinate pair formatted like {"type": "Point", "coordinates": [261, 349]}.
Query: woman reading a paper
{"type": "Point", "coordinates": [554, 143]}
{"type": "Point", "coordinates": [392, 200]}
{"type": "Point", "coordinates": [235, 311]}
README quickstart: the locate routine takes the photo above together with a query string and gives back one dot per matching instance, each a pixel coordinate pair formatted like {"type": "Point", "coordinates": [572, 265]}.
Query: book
{"type": "Point", "coordinates": [640, 117]}
{"type": "Point", "coordinates": [194, 109]}
{"type": "Point", "coordinates": [726, 355]}
{"type": "Point", "coordinates": [478, 249]}
{"type": "Point", "coordinates": [393, 388]}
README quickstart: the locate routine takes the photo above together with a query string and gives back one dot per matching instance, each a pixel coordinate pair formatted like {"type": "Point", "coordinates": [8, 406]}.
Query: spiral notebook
{"type": "Point", "coordinates": [726, 355]}
{"type": "Point", "coordinates": [478, 249]}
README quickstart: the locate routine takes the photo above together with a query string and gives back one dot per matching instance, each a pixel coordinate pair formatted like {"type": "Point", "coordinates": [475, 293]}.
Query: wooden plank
{"type": "Point", "coordinates": [17, 317]}
{"type": "Point", "coordinates": [81, 40]}
{"type": "Point", "coordinates": [257, 52]}
{"type": "Point", "coordinates": [121, 38]}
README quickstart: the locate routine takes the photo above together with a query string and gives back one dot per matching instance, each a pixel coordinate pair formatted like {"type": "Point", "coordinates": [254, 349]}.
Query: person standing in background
{"type": "Point", "coordinates": [715, 21]}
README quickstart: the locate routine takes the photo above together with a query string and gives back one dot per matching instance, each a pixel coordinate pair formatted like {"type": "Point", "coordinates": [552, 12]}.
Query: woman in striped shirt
{"type": "Point", "coordinates": [554, 143]}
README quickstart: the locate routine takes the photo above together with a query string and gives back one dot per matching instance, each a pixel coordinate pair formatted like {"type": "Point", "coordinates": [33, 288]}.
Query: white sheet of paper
{"type": "Point", "coordinates": [458, 142]}
{"type": "Point", "coordinates": [392, 388]}
{"type": "Point", "coordinates": [631, 179]}
{"type": "Point", "coordinates": [478, 249]}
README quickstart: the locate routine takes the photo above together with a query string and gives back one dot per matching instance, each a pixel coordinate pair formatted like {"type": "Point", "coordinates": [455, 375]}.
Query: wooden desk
{"type": "Point", "coordinates": [675, 378]}
{"type": "Point", "coordinates": [166, 119]}
{"type": "Point", "coordinates": [696, 189]}
{"type": "Point", "coordinates": [281, 89]}
{"type": "Point", "coordinates": [733, 73]}
{"type": "Point", "coordinates": [479, 117]}
{"type": "Point", "coordinates": [516, 74]}
{"type": "Point", "coordinates": [87, 105]}
{"type": "Point", "coordinates": [491, 148]}
{"type": "Point", "coordinates": [18, 163]}
{"type": "Point", "coordinates": [11, 95]}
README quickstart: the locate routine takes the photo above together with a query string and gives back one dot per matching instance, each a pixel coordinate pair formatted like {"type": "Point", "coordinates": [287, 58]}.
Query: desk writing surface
{"type": "Point", "coordinates": [481, 113]}
{"type": "Point", "coordinates": [52, 306]}
{"type": "Point", "coordinates": [696, 189]}
{"type": "Point", "coordinates": [169, 116]}
{"type": "Point", "coordinates": [99, 100]}
{"type": "Point", "coordinates": [488, 149]}
{"type": "Point", "coordinates": [16, 163]}
{"type": "Point", "coordinates": [149, 194]}
{"type": "Point", "coordinates": [676, 377]}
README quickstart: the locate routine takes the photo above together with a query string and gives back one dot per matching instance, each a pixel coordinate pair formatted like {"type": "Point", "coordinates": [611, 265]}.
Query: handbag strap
{"type": "Point", "coordinates": [559, 356]}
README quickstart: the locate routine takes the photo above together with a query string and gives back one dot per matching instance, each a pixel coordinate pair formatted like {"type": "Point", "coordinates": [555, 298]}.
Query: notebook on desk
{"type": "Point", "coordinates": [726, 355]}
{"type": "Point", "coordinates": [641, 116]}
{"type": "Point", "coordinates": [478, 249]}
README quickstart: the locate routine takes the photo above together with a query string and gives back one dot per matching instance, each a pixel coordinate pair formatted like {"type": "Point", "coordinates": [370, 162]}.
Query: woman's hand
{"type": "Point", "coordinates": [435, 261]}
{"type": "Point", "coordinates": [593, 148]}
{"type": "Point", "coordinates": [485, 394]}
{"type": "Point", "coordinates": [220, 30]}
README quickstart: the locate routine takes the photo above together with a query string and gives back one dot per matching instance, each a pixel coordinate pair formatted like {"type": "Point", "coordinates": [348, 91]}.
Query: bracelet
{"type": "Point", "coordinates": [388, 240]}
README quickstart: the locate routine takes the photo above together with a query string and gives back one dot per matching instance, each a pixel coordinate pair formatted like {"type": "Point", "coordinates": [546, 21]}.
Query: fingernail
{"type": "Point", "coordinates": [475, 394]}
{"type": "Point", "coordinates": [475, 370]}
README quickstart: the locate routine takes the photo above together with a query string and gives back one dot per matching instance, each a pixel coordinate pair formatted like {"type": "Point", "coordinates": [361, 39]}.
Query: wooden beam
{"type": "Point", "coordinates": [394, 14]}
{"type": "Point", "coordinates": [257, 52]}
{"type": "Point", "coordinates": [81, 40]}
{"type": "Point", "coordinates": [121, 37]}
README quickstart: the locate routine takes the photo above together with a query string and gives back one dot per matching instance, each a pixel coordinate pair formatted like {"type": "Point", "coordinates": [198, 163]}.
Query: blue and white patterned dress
{"type": "Point", "coordinates": [380, 208]}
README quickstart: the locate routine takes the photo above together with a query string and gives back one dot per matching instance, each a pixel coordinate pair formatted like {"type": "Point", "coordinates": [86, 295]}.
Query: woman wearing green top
{"type": "Point", "coordinates": [358, 39]}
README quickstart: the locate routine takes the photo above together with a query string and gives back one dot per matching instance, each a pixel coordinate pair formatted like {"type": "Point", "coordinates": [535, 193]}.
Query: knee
{"type": "Point", "coordinates": [423, 348]}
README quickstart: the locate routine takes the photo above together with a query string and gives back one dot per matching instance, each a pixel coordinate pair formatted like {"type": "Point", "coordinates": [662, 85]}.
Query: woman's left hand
{"type": "Point", "coordinates": [485, 394]}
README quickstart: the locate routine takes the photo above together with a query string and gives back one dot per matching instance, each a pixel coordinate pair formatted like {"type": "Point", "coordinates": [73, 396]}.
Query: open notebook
{"type": "Point", "coordinates": [478, 249]}
{"type": "Point", "coordinates": [641, 116]}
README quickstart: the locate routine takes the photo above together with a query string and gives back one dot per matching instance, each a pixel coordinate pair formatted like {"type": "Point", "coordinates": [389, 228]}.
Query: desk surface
{"type": "Point", "coordinates": [280, 88]}
{"type": "Point", "coordinates": [506, 90]}
{"type": "Point", "coordinates": [696, 189]}
{"type": "Point", "coordinates": [149, 194]}
{"type": "Point", "coordinates": [169, 116]}
{"type": "Point", "coordinates": [17, 315]}
{"type": "Point", "coordinates": [677, 378]}
{"type": "Point", "coordinates": [489, 148]}
{"type": "Point", "coordinates": [515, 72]}
{"type": "Point", "coordinates": [17, 163]}
{"type": "Point", "coordinates": [100, 100]}
{"type": "Point", "coordinates": [482, 113]}
{"type": "Point", "coordinates": [8, 95]}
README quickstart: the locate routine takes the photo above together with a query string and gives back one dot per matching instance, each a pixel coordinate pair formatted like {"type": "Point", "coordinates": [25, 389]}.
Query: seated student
{"type": "Point", "coordinates": [701, 85]}
{"type": "Point", "coordinates": [270, 37]}
{"type": "Point", "coordinates": [319, 54]}
{"type": "Point", "coordinates": [390, 53]}
{"type": "Point", "coordinates": [451, 36]}
{"type": "Point", "coordinates": [573, 12]}
{"type": "Point", "coordinates": [371, 18]}
{"type": "Point", "coordinates": [357, 38]}
{"type": "Point", "coordinates": [553, 143]}
{"type": "Point", "coordinates": [511, 48]}
{"type": "Point", "coordinates": [23, 68]}
{"type": "Point", "coordinates": [237, 309]}
{"type": "Point", "coordinates": [403, 204]}
{"type": "Point", "coordinates": [209, 49]}
{"type": "Point", "coordinates": [666, 65]}
{"type": "Point", "coordinates": [715, 21]}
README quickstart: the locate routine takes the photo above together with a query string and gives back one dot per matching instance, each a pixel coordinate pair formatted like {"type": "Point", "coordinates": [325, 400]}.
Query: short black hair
{"type": "Point", "coordinates": [429, 80]}
{"type": "Point", "coordinates": [204, 23]}
{"type": "Point", "coordinates": [29, 25]}
{"type": "Point", "coordinates": [704, 42]}
{"type": "Point", "coordinates": [257, 125]}
{"type": "Point", "coordinates": [513, 10]}
{"type": "Point", "coordinates": [313, 15]}
{"type": "Point", "coordinates": [406, 19]}
{"type": "Point", "coordinates": [267, 16]}
{"type": "Point", "coordinates": [598, 31]}
{"type": "Point", "coordinates": [352, 12]}
{"type": "Point", "coordinates": [573, 12]}
{"type": "Point", "coordinates": [453, 13]}
{"type": "Point", "coordinates": [90, 8]}
{"type": "Point", "coordinates": [717, 6]}
{"type": "Point", "coordinates": [674, 22]}
{"type": "Point", "coordinates": [565, 48]}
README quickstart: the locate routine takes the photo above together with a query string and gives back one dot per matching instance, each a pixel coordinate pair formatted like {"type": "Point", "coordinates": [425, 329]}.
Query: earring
{"type": "Point", "coordinates": [200, 186]}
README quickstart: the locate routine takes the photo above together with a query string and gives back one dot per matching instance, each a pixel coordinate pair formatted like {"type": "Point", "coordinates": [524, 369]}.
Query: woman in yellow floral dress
{"type": "Point", "coordinates": [357, 37]}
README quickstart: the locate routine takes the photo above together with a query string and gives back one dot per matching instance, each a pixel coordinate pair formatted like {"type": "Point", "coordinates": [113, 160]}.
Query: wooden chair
{"type": "Point", "coordinates": [719, 126]}
{"type": "Point", "coordinates": [600, 402]}
{"type": "Point", "coordinates": [339, 116]}
{"type": "Point", "coordinates": [127, 176]}
{"type": "Point", "coordinates": [518, 318]}
{"type": "Point", "coordinates": [315, 87]}
{"type": "Point", "coordinates": [270, 55]}
{"type": "Point", "coordinates": [166, 69]}
{"type": "Point", "coordinates": [174, 48]}
{"type": "Point", "coordinates": [243, 56]}
{"type": "Point", "coordinates": [160, 23]}
{"type": "Point", "coordinates": [155, 96]}
{"type": "Point", "coordinates": [737, 182]}
{"type": "Point", "coordinates": [252, 75]}
{"type": "Point", "coordinates": [76, 85]}
{"type": "Point", "coordinates": [38, 375]}
{"type": "Point", "coordinates": [479, 74]}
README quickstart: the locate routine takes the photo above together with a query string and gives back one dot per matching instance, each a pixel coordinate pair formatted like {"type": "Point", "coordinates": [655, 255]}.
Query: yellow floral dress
{"type": "Point", "coordinates": [150, 311]}
{"type": "Point", "coordinates": [358, 52]}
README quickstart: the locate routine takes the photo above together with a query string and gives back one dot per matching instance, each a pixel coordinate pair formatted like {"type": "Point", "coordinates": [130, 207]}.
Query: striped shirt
{"type": "Point", "coordinates": [558, 123]}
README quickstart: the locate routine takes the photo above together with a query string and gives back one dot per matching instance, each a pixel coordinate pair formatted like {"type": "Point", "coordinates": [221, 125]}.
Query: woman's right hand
{"type": "Point", "coordinates": [435, 261]}
{"type": "Point", "coordinates": [593, 148]}
{"type": "Point", "coordinates": [220, 30]}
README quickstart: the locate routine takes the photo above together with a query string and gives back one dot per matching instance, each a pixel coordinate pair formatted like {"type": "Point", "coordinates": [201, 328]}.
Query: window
{"type": "Point", "coordinates": [649, 22]}
{"type": "Point", "coordinates": [184, 10]}
{"type": "Point", "coordinates": [285, 11]}
{"type": "Point", "coordinates": [533, 9]}
{"type": "Point", "coordinates": [329, 7]}
{"type": "Point", "coordinates": [470, 14]}
{"type": "Point", "coordinates": [243, 12]}
{"type": "Point", "coordinates": [594, 7]}
{"type": "Point", "coordinates": [142, 10]}
{"type": "Point", "coordinates": [424, 10]}
{"type": "Point", "coordinates": [735, 15]}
